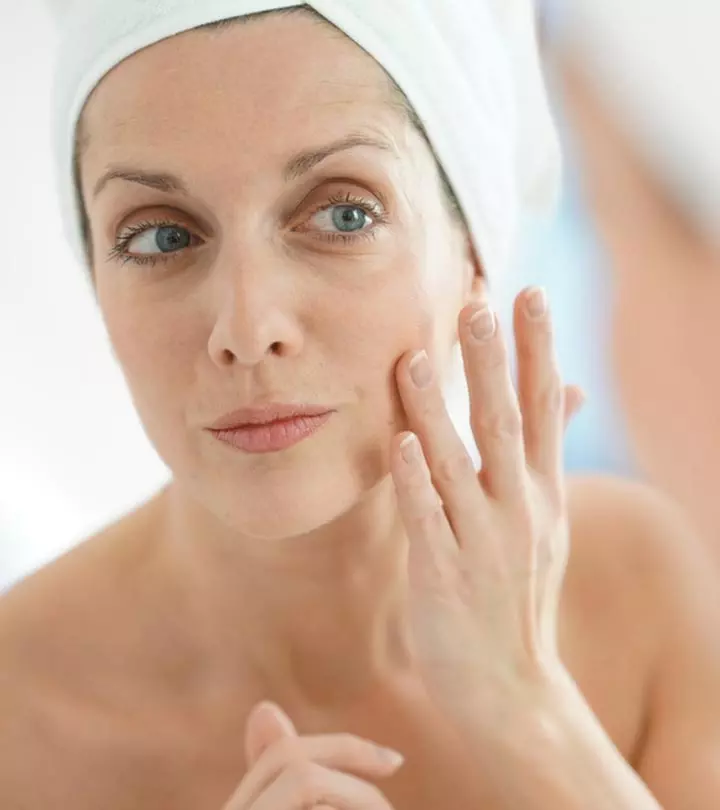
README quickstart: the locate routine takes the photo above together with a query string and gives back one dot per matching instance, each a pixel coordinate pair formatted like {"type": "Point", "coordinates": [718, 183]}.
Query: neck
{"type": "Point", "coordinates": [318, 618]}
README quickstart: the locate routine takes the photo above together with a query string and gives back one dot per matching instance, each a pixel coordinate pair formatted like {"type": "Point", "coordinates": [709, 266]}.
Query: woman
{"type": "Point", "coordinates": [303, 592]}
{"type": "Point", "coordinates": [646, 131]}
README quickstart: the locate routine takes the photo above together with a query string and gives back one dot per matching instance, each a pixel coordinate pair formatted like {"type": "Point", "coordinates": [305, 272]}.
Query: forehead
{"type": "Point", "coordinates": [270, 78]}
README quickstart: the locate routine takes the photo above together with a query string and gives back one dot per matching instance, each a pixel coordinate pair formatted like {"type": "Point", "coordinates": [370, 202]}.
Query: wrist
{"type": "Point", "coordinates": [550, 751]}
{"type": "Point", "coordinates": [534, 708]}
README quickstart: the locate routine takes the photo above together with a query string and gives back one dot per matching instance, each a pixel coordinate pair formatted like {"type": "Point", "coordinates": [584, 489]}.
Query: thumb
{"type": "Point", "coordinates": [266, 724]}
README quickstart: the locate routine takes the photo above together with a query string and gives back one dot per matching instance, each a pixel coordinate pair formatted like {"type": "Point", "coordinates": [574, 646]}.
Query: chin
{"type": "Point", "coordinates": [278, 514]}
{"type": "Point", "coordinates": [286, 501]}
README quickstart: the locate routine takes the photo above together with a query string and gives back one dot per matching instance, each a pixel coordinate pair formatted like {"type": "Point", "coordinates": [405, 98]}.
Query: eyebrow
{"type": "Point", "coordinates": [296, 167]}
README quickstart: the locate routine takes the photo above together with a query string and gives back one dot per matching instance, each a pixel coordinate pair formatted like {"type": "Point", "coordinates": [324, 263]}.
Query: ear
{"type": "Point", "coordinates": [266, 724]}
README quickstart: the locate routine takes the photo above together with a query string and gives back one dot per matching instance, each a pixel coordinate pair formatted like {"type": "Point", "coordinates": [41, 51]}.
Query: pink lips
{"type": "Point", "coordinates": [270, 429]}
{"type": "Point", "coordinates": [262, 415]}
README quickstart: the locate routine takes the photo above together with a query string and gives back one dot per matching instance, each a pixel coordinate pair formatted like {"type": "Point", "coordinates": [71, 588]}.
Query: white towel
{"type": "Point", "coordinates": [657, 62]}
{"type": "Point", "coordinates": [470, 68]}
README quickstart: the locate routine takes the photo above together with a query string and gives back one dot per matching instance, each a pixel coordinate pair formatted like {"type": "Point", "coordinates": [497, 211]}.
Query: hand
{"type": "Point", "coordinates": [488, 551]}
{"type": "Point", "coordinates": [288, 772]}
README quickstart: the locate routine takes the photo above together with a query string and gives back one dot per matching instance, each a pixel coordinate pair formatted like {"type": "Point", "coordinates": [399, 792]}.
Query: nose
{"type": "Point", "coordinates": [255, 316]}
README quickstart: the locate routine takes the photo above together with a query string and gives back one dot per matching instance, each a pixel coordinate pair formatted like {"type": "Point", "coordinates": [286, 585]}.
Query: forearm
{"type": "Point", "coordinates": [573, 765]}
{"type": "Point", "coordinates": [558, 759]}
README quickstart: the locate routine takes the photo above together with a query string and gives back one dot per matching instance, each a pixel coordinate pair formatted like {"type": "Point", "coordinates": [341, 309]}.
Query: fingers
{"type": "Point", "coordinates": [511, 430]}
{"type": "Point", "coordinates": [434, 543]}
{"type": "Point", "coordinates": [495, 416]}
{"type": "Point", "coordinates": [340, 752]}
{"type": "Point", "coordinates": [307, 784]}
{"type": "Point", "coordinates": [441, 464]}
{"type": "Point", "coordinates": [540, 389]}
{"type": "Point", "coordinates": [574, 401]}
{"type": "Point", "coordinates": [266, 724]}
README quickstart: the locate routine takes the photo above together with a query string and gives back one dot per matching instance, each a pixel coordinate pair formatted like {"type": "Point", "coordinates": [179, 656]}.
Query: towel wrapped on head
{"type": "Point", "coordinates": [470, 69]}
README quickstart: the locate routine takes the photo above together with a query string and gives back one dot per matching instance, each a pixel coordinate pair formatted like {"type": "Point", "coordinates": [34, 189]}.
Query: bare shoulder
{"type": "Point", "coordinates": [63, 648]}
{"type": "Point", "coordinates": [637, 577]}
{"type": "Point", "coordinates": [635, 554]}
{"type": "Point", "coordinates": [49, 619]}
{"type": "Point", "coordinates": [638, 567]}
{"type": "Point", "coordinates": [71, 590]}
{"type": "Point", "coordinates": [633, 534]}
{"type": "Point", "coordinates": [74, 616]}
{"type": "Point", "coordinates": [642, 584]}
{"type": "Point", "coordinates": [39, 638]}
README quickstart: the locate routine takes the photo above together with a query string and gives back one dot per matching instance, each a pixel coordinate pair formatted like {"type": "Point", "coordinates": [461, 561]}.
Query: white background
{"type": "Point", "coordinates": [72, 452]}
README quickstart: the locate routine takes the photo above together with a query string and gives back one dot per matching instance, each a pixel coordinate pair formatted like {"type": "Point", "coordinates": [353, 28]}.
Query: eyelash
{"type": "Point", "coordinates": [119, 251]}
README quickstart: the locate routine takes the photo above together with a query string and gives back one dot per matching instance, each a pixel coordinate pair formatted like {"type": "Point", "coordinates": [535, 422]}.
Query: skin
{"type": "Point", "coordinates": [666, 282]}
{"type": "Point", "coordinates": [285, 577]}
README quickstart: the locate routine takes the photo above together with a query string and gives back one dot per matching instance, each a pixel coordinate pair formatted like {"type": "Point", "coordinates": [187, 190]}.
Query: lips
{"type": "Point", "coordinates": [267, 415]}
{"type": "Point", "coordinates": [272, 437]}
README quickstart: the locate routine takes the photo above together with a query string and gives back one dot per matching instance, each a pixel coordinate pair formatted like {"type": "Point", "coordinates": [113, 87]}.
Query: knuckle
{"type": "Point", "coordinates": [454, 468]}
{"type": "Point", "coordinates": [504, 424]}
{"type": "Point", "coordinates": [495, 361]}
{"type": "Point", "coordinates": [430, 407]}
{"type": "Point", "coordinates": [553, 496]}
{"type": "Point", "coordinates": [307, 780]}
{"type": "Point", "coordinates": [527, 520]}
{"type": "Point", "coordinates": [310, 785]}
{"type": "Point", "coordinates": [550, 397]}
{"type": "Point", "coordinates": [432, 513]}
{"type": "Point", "coordinates": [549, 554]}
{"type": "Point", "coordinates": [418, 482]}
{"type": "Point", "coordinates": [425, 508]}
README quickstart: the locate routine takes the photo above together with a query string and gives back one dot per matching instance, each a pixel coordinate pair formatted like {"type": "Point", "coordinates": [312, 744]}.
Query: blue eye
{"type": "Point", "coordinates": [152, 242]}
{"type": "Point", "coordinates": [345, 218]}
{"type": "Point", "coordinates": [349, 217]}
{"type": "Point", "coordinates": [167, 238]}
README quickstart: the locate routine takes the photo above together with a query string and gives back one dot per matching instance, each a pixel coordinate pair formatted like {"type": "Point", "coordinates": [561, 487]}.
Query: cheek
{"type": "Point", "coordinates": [372, 333]}
{"type": "Point", "coordinates": [153, 344]}
{"type": "Point", "coordinates": [398, 305]}
{"type": "Point", "coordinates": [376, 329]}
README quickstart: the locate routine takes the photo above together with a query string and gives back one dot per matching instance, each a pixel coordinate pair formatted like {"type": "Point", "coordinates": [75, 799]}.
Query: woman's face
{"type": "Point", "coordinates": [273, 275]}
{"type": "Point", "coordinates": [666, 329]}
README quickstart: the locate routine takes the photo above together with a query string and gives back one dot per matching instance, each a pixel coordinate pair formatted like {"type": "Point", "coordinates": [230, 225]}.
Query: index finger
{"type": "Point", "coordinates": [341, 752]}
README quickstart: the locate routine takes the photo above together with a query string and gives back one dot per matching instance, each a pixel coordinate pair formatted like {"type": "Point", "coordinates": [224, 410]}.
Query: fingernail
{"type": "Point", "coordinates": [482, 324]}
{"type": "Point", "coordinates": [391, 756]}
{"type": "Point", "coordinates": [420, 370]}
{"type": "Point", "coordinates": [409, 448]}
{"type": "Point", "coordinates": [279, 715]}
{"type": "Point", "coordinates": [536, 303]}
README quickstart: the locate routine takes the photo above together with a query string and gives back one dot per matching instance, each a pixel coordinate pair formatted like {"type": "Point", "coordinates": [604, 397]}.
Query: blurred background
{"type": "Point", "coordinates": [73, 455]}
